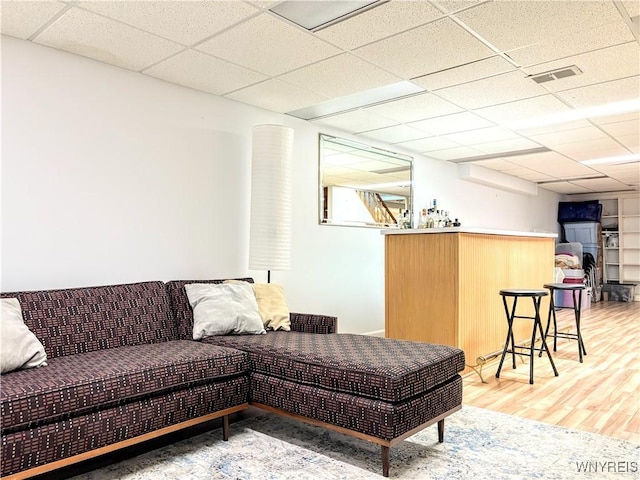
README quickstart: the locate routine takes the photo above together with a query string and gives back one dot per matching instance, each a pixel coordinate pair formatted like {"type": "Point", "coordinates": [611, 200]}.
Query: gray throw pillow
{"type": "Point", "coordinates": [223, 309]}
{"type": "Point", "coordinates": [19, 347]}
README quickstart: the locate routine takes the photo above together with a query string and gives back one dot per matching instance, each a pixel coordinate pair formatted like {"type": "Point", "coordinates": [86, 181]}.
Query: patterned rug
{"type": "Point", "coordinates": [479, 444]}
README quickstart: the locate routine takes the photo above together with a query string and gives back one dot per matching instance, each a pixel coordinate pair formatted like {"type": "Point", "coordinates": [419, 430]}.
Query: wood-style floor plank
{"type": "Point", "coordinates": [601, 395]}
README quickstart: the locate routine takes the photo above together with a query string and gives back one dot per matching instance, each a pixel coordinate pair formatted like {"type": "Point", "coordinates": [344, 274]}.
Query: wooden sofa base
{"type": "Point", "coordinates": [385, 444]}
{"type": "Point", "coordinates": [131, 441]}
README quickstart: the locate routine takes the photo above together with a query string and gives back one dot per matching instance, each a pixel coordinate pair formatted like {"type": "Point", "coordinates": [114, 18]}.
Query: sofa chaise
{"type": "Point", "coordinates": [123, 368]}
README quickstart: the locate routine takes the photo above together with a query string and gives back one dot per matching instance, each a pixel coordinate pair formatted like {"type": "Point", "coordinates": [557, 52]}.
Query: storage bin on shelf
{"type": "Point", "coordinates": [581, 232]}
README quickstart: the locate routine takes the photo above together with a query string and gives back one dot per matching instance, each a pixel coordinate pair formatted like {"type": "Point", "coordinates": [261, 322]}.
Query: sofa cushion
{"type": "Point", "coordinates": [79, 384]}
{"type": "Point", "coordinates": [79, 320]}
{"type": "Point", "coordinates": [369, 416]}
{"type": "Point", "coordinates": [374, 367]}
{"type": "Point", "coordinates": [180, 308]}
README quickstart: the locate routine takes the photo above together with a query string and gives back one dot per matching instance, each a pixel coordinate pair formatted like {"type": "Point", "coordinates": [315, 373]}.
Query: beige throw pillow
{"type": "Point", "coordinates": [272, 306]}
{"type": "Point", "coordinates": [19, 347]}
{"type": "Point", "coordinates": [222, 309]}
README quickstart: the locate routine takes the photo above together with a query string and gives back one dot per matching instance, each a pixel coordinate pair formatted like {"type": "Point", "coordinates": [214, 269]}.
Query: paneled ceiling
{"type": "Point", "coordinates": [469, 64]}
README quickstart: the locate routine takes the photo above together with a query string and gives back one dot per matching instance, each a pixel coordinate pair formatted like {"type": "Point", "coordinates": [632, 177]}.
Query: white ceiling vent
{"type": "Point", "coordinates": [555, 74]}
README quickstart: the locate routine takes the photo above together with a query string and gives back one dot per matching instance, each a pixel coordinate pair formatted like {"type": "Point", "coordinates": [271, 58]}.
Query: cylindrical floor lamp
{"type": "Point", "coordinates": [270, 232]}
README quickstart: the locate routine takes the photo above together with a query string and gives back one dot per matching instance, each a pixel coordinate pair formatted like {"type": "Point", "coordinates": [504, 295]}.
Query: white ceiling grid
{"type": "Point", "coordinates": [473, 58]}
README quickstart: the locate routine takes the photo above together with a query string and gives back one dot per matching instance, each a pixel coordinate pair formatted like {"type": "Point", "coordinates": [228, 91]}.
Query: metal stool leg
{"type": "Point", "coordinates": [543, 340]}
{"type": "Point", "coordinates": [577, 310]}
{"type": "Point", "coordinates": [536, 306]}
{"type": "Point", "coordinates": [509, 338]}
{"type": "Point", "coordinates": [552, 311]}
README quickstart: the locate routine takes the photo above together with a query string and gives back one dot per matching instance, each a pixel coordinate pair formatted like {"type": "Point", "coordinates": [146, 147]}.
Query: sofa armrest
{"type": "Point", "coordinates": [304, 322]}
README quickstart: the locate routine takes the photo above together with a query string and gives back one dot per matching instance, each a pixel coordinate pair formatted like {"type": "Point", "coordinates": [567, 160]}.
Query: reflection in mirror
{"type": "Point", "coordinates": [361, 185]}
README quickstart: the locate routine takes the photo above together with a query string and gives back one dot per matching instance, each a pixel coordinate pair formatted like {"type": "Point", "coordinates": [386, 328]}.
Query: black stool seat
{"type": "Point", "coordinates": [522, 292]}
{"type": "Point", "coordinates": [576, 295]}
{"type": "Point", "coordinates": [510, 346]}
{"type": "Point", "coordinates": [565, 286]}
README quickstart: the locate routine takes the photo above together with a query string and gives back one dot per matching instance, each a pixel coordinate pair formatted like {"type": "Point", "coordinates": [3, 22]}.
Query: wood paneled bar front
{"type": "Point", "coordinates": [442, 285]}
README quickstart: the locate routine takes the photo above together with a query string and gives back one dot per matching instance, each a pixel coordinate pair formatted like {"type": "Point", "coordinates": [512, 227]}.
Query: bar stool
{"type": "Point", "coordinates": [574, 288]}
{"type": "Point", "coordinates": [536, 297]}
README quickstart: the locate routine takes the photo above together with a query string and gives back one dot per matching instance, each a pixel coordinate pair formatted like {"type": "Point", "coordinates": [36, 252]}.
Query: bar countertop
{"type": "Point", "coordinates": [483, 231]}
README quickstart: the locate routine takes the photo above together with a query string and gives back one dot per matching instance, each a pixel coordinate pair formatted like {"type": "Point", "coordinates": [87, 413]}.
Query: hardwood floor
{"type": "Point", "coordinates": [601, 395]}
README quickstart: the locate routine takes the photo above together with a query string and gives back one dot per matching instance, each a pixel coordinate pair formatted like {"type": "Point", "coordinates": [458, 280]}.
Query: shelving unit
{"type": "Point", "coordinates": [621, 240]}
{"type": "Point", "coordinates": [629, 217]}
{"type": "Point", "coordinates": [610, 240]}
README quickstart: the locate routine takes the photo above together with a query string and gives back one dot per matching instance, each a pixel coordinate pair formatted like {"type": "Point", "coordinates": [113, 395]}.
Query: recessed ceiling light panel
{"type": "Point", "coordinates": [316, 15]}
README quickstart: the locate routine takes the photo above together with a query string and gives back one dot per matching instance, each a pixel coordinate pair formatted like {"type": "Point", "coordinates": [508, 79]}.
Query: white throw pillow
{"type": "Point", "coordinates": [272, 306]}
{"type": "Point", "coordinates": [19, 347]}
{"type": "Point", "coordinates": [222, 309]}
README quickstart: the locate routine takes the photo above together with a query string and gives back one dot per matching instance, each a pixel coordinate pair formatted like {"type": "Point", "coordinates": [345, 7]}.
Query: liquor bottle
{"type": "Point", "coordinates": [430, 218]}
{"type": "Point", "coordinates": [423, 219]}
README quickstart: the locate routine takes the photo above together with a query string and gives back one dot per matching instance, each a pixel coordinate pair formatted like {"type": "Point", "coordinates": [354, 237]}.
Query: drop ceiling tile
{"type": "Point", "coordinates": [428, 144]}
{"type": "Point", "coordinates": [481, 135]}
{"type": "Point", "coordinates": [204, 72]}
{"type": "Point", "coordinates": [379, 22]}
{"type": "Point", "coordinates": [276, 96]}
{"type": "Point", "coordinates": [457, 122]}
{"type": "Point", "coordinates": [97, 37]}
{"type": "Point", "coordinates": [338, 76]}
{"type": "Point", "coordinates": [464, 73]}
{"type": "Point", "coordinates": [563, 45]}
{"type": "Point", "coordinates": [629, 127]}
{"type": "Point", "coordinates": [356, 121]}
{"type": "Point", "coordinates": [558, 127]}
{"type": "Point", "coordinates": [622, 117]}
{"type": "Point", "coordinates": [554, 164]}
{"type": "Point", "coordinates": [601, 184]}
{"type": "Point", "coordinates": [493, 90]}
{"type": "Point", "coordinates": [265, 4]}
{"type": "Point", "coordinates": [455, 153]}
{"type": "Point", "coordinates": [396, 134]}
{"type": "Point", "coordinates": [603, 93]}
{"type": "Point", "coordinates": [631, 169]}
{"type": "Point", "coordinates": [528, 22]}
{"type": "Point", "coordinates": [420, 51]}
{"type": "Point", "coordinates": [629, 180]}
{"type": "Point", "coordinates": [581, 155]}
{"type": "Point", "coordinates": [632, 142]}
{"type": "Point", "coordinates": [416, 107]}
{"type": "Point", "coordinates": [169, 19]}
{"type": "Point", "coordinates": [534, 176]}
{"type": "Point", "coordinates": [522, 109]}
{"type": "Point", "coordinates": [632, 7]}
{"type": "Point", "coordinates": [505, 146]}
{"type": "Point", "coordinates": [564, 187]}
{"type": "Point", "coordinates": [268, 45]}
{"type": "Point", "coordinates": [569, 136]}
{"type": "Point", "coordinates": [498, 164]}
{"type": "Point", "coordinates": [600, 66]}
{"type": "Point", "coordinates": [593, 145]}
{"type": "Point", "coordinates": [23, 19]}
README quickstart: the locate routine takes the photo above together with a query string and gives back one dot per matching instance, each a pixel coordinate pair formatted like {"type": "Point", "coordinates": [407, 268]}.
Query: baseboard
{"type": "Point", "coordinates": [375, 333]}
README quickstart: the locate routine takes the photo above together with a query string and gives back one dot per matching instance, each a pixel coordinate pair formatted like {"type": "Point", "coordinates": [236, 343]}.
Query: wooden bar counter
{"type": "Point", "coordinates": [442, 285]}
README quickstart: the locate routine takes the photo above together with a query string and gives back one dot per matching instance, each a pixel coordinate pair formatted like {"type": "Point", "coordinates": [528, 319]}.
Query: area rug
{"type": "Point", "coordinates": [479, 444]}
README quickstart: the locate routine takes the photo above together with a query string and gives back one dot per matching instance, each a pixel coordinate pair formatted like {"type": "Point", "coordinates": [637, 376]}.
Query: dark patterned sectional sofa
{"type": "Point", "coordinates": [123, 368]}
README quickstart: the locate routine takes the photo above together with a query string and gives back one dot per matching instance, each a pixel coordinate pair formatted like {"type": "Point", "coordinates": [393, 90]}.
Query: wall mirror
{"type": "Point", "coordinates": [363, 186]}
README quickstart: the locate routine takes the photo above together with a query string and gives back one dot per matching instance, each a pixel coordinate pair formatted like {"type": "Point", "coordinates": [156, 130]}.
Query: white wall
{"type": "Point", "coordinates": [109, 176]}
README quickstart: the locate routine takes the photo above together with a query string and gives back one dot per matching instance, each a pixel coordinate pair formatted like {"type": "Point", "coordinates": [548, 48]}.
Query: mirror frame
{"type": "Point", "coordinates": [322, 208]}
